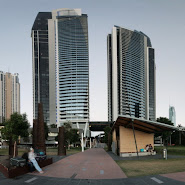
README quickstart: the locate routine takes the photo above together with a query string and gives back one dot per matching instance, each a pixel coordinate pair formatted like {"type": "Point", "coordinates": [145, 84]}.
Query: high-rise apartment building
{"type": "Point", "coordinates": [172, 115]}
{"type": "Point", "coordinates": [9, 95]}
{"type": "Point", "coordinates": [64, 44]}
{"type": "Point", "coordinates": [131, 74]}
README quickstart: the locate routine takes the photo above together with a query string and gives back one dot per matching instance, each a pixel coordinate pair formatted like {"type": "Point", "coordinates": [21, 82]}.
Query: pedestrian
{"type": "Point", "coordinates": [31, 157]}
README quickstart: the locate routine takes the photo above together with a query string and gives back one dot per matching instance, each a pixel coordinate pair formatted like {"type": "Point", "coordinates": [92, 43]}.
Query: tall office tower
{"type": "Point", "coordinates": [66, 44]}
{"type": "Point", "coordinates": [9, 95]}
{"type": "Point", "coordinates": [69, 67]}
{"type": "Point", "coordinates": [40, 63]}
{"type": "Point", "coordinates": [172, 115]}
{"type": "Point", "coordinates": [131, 75]}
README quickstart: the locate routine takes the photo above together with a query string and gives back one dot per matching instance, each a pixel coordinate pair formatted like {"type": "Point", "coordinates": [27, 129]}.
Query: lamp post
{"type": "Point", "coordinates": [80, 132]}
{"type": "Point", "coordinates": [82, 142]}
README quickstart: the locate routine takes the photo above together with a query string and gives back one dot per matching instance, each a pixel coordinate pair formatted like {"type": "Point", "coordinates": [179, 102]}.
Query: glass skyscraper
{"type": "Point", "coordinates": [40, 63]}
{"type": "Point", "coordinates": [172, 115]}
{"type": "Point", "coordinates": [68, 67]}
{"type": "Point", "coordinates": [131, 74]}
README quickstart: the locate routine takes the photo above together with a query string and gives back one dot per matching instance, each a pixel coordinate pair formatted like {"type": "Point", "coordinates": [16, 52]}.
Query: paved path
{"type": "Point", "coordinates": [43, 180]}
{"type": "Point", "coordinates": [179, 176]}
{"type": "Point", "coordinates": [92, 164]}
{"type": "Point", "coordinates": [93, 167]}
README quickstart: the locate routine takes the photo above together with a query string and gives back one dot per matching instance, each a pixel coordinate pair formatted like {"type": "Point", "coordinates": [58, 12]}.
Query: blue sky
{"type": "Point", "coordinates": [161, 20]}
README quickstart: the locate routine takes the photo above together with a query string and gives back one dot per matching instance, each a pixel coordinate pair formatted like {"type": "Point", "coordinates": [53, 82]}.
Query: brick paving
{"type": "Point", "coordinates": [91, 164]}
{"type": "Point", "coordinates": [179, 176]}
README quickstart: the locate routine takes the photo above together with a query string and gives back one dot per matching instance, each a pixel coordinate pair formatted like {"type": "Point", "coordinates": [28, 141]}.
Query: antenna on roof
{"type": "Point", "coordinates": [169, 101]}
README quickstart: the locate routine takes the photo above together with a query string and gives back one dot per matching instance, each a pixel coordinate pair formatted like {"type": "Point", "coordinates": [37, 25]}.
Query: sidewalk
{"type": "Point", "coordinates": [179, 176]}
{"type": "Point", "coordinates": [91, 164]}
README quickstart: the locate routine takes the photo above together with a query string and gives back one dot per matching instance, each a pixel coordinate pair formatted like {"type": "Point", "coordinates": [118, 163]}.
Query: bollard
{"type": "Point", "coordinates": [165, 153]}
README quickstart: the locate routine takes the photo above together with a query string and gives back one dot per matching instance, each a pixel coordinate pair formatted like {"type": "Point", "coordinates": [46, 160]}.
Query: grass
{"type": "Point", "coordinates": [172, 150]}
{"type": "Point", "coordinates": [49, 151]}
{"type": "Point", "coordinates": [155, 166]}
{"type": "Point", "coordinates": [151, 167]}
{"type": "Point", "coordinates": [54, 151]}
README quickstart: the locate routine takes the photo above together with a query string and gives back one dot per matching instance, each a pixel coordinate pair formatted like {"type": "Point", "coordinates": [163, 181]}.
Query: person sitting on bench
{"type": "Point", "coordinates": [150, 148]}
{"type": "Point", "coordinates": [31, 157]}
{"type": "Point", "coordinates": [147, 148]}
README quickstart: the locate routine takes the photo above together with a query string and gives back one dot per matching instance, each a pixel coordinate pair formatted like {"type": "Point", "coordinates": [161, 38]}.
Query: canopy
{"type": "Point", "coordinates": [142, 124]}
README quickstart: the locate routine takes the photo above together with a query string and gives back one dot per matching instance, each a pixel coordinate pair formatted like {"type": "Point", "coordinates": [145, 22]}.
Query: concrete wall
{"type": "Point", "coordinates": [114, 136]}
{"type": "Point", "coordinates": [127, 143]}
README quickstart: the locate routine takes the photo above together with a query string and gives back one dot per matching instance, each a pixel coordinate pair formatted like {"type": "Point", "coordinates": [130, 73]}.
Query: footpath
{"type": "Point", "coordinates": [92, 167]}
{"type": "Point", "coordinates": [92, 164]}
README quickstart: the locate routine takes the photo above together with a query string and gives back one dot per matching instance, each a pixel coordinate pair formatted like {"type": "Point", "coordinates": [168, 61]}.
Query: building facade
{"type": "Point", "coordinates": [172, 115]}
{"type": "Point", "coordinates": [131, 74]}
{"type": "Point", "coordinates": [9, 95]}
{"type": "Point", "coordinates": [66, 67]}
{"type": "Point", "coordinates": [40, 63]}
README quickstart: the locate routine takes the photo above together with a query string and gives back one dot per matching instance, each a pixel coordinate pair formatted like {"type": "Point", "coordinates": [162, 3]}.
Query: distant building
{"type": "Point", "coordinates": [131, 75]}
{"type": "Point", "coordinates": [172, 115]}
{"type": "Point", "coordinates": [9, 95]}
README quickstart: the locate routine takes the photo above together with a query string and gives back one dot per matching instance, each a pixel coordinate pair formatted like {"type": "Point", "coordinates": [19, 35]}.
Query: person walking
{"type": "Point", "coordinates": [31, 157]}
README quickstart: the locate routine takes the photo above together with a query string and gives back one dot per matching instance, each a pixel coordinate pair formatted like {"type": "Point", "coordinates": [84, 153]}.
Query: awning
{"type": "Point", "coordinates": [142, 124]}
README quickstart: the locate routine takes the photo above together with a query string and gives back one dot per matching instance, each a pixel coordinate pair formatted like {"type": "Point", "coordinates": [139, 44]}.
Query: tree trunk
{"type": "Point", "coordinates": [11, 148]}
{"type": "Point", "coordinates": [68, 144]}
{"type": "Point", "coordinates": [179, 137]}
{"type": "Point", "coordinates": [15, 152]}
{"type": "Point", "coordinates": [109, 142]}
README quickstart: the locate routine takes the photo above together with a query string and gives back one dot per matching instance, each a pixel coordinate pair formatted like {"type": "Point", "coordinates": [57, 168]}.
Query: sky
{"type": "Point", "coordinates": [162, 20]}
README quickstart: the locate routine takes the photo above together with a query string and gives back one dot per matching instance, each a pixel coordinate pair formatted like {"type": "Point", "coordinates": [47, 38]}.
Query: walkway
{"type": "Point", "coordinates": [179, 176]}
{"type": "Point", "coordinates": [91, 164]}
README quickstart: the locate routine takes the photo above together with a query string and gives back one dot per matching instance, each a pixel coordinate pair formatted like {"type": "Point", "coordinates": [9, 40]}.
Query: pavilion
{"type": "Point", "coordinates": [130, 135]}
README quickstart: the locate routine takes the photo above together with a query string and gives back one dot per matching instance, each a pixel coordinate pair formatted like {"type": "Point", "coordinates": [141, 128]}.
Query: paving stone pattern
{"type": "Point", "coordinates": [96, 162]}
{"type": "Point", "coordinates": [91, 164]}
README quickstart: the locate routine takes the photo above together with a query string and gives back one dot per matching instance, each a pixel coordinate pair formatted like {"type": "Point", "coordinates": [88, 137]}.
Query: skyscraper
{"type": "Point", "coordinates": [172, 115]}
{"type": "Point", "coordinates": [9, 95]}
{"type": "Point", "coordinates": [64, 66]}
{"type": "Point", "coordinates": [40, 63]}
{"type": "Point", "coordinates": [131, 74]}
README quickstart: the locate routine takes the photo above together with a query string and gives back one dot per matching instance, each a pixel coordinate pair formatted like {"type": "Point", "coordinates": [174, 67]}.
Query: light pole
{"type": "Point", "coordinates": [80, 132]}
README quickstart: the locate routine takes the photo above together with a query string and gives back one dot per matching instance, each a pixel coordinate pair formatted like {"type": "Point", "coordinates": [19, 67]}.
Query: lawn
{"type": "Point", "coordinates": [151, 167]}
{"type": "Point", "coordinates": [54, 151]}
{"type": "Point", "coordinates": [172, 150]}
{"type": "Point", "coordinates": [49, 151]}
{"type": "Point", "coordinates": [155, 166]}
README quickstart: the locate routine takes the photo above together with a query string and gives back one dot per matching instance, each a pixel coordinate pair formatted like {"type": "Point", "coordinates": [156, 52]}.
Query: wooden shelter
{"type": "Point", "coordinates": [130, 135]}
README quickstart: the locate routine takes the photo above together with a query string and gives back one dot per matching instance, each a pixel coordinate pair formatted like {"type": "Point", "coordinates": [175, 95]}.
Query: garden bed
{"type": "Point", "coordinates": [13, 171]}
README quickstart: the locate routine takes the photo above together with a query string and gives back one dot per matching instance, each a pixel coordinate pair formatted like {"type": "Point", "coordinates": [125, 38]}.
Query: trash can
{"type": "Point", "coordinates": [164, 153]}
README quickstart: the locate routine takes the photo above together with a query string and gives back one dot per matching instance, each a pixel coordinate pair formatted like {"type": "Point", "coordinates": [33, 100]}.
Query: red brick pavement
{"type": "Point", "coordinates": [92, 164]}
{"type": "Point", "coordinates": [179, 176]}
